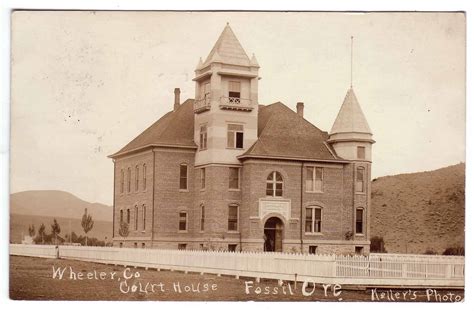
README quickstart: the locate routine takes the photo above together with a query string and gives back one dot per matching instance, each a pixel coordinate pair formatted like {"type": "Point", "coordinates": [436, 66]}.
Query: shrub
{"type": "Point", "coordinates": [430, 251]}
{"type": "Point", "coordinates": [454, 251]}
{"type": "Point", "coordinates": [377, 245]}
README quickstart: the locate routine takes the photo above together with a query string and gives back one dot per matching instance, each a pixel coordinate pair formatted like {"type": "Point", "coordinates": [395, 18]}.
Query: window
{"type": "Point", "coordinates": [129, 176]}
{"type": "Point", "coordinates": [121, 245]}
{"type": "Point", "coordinates": [183, 177]}
{"type": "Point", "coordinates": [203, 137]}
{"type": "Point", "coordinates": [182, 247]}
{"type": "Point", "coordinates": [144, 216]}
{"type": "Point", "coordinates": [232, 247]}
{"type": "Point", "coordinates": [203, 178]}
{"type": "Point", "coordinates": [121, 180]}
{"type": "Point", "coordinates": [144, 176]}
{"type": "Point", "coordinates": [313, 249]}
{"type": "Point", "coordinates": [360, 179]}
{"type": "Point", "coordinates": [232, 223]}
{"type": "Point", "coordinates": [314, 179]}
{"type": "Point", "coordinates": [121, 216]}
{"type": "Point", "coordinates": [128, 216]}
{"type": "Point", "coordinates": [235, 136]}
{"type": "Point", "coordinates": [206, 92]}
{"type": "Point", "coordinates": [183, 221]}
{"type": "Point", "coordinates": [203, 215]}
{"type": "Point", "coordinates": [136, 177]}
{"type": "Point", "coordinates": [234, 173]}
{"type": "Point", "coordinates": [135, 244]}
{"type": "Point", "coordinates": [359, 250]}
{"type": "Point", "coordinates": [313, 220]}
{"type": "Point", "coordinates": [275, 185]}
{"type": "Point", "coordinates": [360, 152]}
{"type": "Point", "coordinates": [359, 221]}
{"type": "Point", "coordinates": [234, 91]}
{"type": "Point", "coordinates": [143, 245]}
{"type": "Point", "coordinates": [136, 217]}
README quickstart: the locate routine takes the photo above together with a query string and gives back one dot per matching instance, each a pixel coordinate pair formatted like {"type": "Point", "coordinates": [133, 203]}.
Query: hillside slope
{"type": "Point", "coordinates": [420, 211]}
{"type": "Point", "coordinates": [56, 203]}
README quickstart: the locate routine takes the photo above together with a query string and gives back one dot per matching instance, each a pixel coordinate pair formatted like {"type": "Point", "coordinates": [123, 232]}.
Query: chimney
{"type": "Point", "coordinates": [300, 109]}
{"type": "Point", "coordinates": [177, 92]}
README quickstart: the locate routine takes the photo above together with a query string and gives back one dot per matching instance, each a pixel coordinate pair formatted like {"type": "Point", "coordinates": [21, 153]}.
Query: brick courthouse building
{"type": "Point", "coordinates": [222, 172]}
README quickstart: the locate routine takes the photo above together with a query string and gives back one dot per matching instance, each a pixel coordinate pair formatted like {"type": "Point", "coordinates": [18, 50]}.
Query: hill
{"type": "Point", "coordinates": [420, 211]}
{"type": "Point", "coordinates": [56, 203]}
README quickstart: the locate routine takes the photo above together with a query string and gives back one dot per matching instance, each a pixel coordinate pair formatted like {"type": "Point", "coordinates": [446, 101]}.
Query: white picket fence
{"type": "Point", "coordinates": [374, 270]}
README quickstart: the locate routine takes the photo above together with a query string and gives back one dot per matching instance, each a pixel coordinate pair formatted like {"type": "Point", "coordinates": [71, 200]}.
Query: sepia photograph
{"type": "Point", "coordinates": [237, 156]}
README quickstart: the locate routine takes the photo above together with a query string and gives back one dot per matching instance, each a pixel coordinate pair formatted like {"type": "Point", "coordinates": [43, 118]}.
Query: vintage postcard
{"type": "Point", "coordinates": [238, 156]}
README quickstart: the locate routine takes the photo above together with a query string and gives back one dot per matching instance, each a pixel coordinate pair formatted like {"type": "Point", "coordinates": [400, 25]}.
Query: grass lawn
{"type": "Point", "coordinates": [59, 279]}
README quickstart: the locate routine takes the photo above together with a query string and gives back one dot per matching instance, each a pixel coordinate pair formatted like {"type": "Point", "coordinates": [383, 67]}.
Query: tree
{"type": "Point", "coordinates": [31, 231]}
{"type": "Point", "coordinates": [55, 230]}
{"type": "Point", "coordinates": [41, 232]}
{"type": "Point", "coordinates": [87, 223]}
{"type": "Point", "coordinates": [123, 230]}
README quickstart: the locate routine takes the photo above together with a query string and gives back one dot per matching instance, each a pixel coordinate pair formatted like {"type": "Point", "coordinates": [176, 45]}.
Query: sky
{"type": "Point", "coordinates": [83, 84]}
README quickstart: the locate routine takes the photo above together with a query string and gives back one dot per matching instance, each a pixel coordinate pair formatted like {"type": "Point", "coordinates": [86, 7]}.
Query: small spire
{"type": "Point", "coordinates": [199, 65]}
{"type": "Point", "coordinates": [253, 61]}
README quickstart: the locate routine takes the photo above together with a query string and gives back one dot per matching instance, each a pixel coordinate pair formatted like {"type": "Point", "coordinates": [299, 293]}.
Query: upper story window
{"type": "Point", "coordinates": [183, 177]}
{"type": "Point", "coordinates": [136, 217]}
{"type": "Point", "coordinates": [143, 217]}
{"type": "Point", "coordinates": [313, 220]}
{"type": "Point", "coordinates": [121, 180]}
{"type": "Point", "coordinates": [121, 216]}
{"type": "Point", "coordinates": [233, 218]}
{"type": "Point", "coordinates": [234, 176]}
{"type": "Point", "coordinates": [203, 137]}
{"type": "Point", "coordinates": [203, 217]}
{"type": "Point", "coordinates": [361, 152]}
{"type": "Point", "coordinates": [128, 216]}
{"type": "Point", "coordinates": [206, 91]}
{"type": "Point", "coordinates": [137, 173]}
{"type": "Point", "coordinates": [183, 221]}
{"type": "Point", "coordinates": [359, 221]}
{"type": "Point", "coordinates": [360, 179]}
{"type": "Point", "coordinates": [144, 176]}
{"type": "Point", "coordinates": [314, 179]}
{"type": "Point", "coordinates": [234, 90]}
{"type": "Point", "coordinates": [203, 178]}
{"type": "Point", "coordinates": [275, 184]}
{"type": "Point", "coordinates": [235, 136]}
{"type": "Point", "coordinates": [129, 177]}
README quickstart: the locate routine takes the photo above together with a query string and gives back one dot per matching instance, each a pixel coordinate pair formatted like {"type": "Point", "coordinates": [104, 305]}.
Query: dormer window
{"type": "Point", "coordinates": [234, 91]}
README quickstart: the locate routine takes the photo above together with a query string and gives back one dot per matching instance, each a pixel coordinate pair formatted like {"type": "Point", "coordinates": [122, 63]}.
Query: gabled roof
{"type": "Point", "coordinates": [282, 133]}
{"type": "Point", "coordinates": [176, 128]}
{"type": "Point", "coordinates": [228, 50]}
{"type": "Point", "coordinates": [350, 118]}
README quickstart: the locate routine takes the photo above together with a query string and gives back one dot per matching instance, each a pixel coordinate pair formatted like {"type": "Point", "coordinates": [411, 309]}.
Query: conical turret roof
{"type": "Point", "coordinates": [350, 118]}
{"type": "Point", "coordinates": [228, 50]}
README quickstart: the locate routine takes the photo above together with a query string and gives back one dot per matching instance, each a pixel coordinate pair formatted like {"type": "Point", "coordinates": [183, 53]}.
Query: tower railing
{"type": "Point", "coordinates": [201, 105]}
{"type": "Point", "coordinates": [235, 103]}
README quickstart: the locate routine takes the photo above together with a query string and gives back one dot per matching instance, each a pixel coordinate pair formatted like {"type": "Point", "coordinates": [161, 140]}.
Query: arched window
{"type": "Point", "coordinates": [313, 220]}
{"type": "Point", "coordinates": [136, 217]}
{"type": "Point", "coordinates": [129, 177]}
{"type": "Point", "coordinates": [203, 217]}
{"type": "Point", "coordinates": [360, 179]}
{"type": "Point", "coordinates": [144, 176]}
{"type": "Point", "coordinates": [144, 216]}
{"type": "Point", "coordinates": [359, 221]}
{"type": "Point", "coordinates": [275, 184]}
{"type": "Point", "coordinates": [137, 173]}
{"type": "Point", "coordinates": [183, 176]}
{"type": "Point", "coordinates": [121, 180]}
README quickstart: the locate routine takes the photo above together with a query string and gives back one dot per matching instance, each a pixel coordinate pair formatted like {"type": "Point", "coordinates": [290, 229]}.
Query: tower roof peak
{"type": "Point", "coordinates": [229, 49]}
{"type": "Point", "coordinates": [350, 118]}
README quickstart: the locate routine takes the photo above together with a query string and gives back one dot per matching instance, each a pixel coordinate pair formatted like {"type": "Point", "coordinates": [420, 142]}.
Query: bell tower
{"type": "Point", "coordinates": [226, 102]}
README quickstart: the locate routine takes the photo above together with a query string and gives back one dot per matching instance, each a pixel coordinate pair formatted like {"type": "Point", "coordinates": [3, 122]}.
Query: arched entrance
{"type": "Point", "coordinates": [273, 235]}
